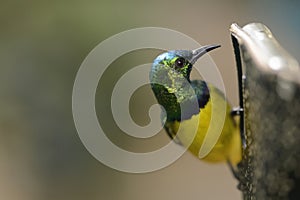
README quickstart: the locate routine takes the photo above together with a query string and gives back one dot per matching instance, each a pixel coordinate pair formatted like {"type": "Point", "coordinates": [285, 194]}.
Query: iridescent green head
{"type": "Point", "coordinates": [178, 61]}
{"type": "Point", "coordinates": [170, 78]}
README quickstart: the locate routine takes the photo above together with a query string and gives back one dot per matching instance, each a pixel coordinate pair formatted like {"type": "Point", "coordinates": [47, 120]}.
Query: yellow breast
{"type": "Point", "coordinates": [217, 137]}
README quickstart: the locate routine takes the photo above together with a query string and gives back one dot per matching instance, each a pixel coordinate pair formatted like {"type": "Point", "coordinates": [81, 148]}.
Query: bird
{"type": "Point", "coordinates": [171, 84]}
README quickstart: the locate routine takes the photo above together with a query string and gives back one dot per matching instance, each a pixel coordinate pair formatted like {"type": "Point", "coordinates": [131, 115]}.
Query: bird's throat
{"type": "Point", "coordinates": [180, 97]}
{"type": "Point", "coordinates": [185, 102]}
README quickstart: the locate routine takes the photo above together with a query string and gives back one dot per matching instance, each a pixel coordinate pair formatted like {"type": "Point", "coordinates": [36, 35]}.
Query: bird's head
{"type": "Point", "coordinates": [172, 67]}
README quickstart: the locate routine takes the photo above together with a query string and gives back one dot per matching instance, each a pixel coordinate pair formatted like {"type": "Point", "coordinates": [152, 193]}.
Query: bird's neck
{"type": "Point", "coordinates": [182, 101]}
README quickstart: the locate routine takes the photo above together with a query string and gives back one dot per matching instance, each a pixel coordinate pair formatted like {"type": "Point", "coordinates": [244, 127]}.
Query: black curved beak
{"type": "Point", "coordinates": [197, 53]}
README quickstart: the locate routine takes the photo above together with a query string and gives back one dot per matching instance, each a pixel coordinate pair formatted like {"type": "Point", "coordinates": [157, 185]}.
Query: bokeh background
{"type": "Point", "coordinates": [43, 43]}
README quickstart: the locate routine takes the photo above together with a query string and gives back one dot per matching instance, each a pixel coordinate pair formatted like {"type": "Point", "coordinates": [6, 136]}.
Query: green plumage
{"type": "Point", "coordinates": [174, 90]}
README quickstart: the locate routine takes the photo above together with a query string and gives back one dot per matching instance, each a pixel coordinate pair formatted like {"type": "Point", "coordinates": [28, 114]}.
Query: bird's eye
{"type": "Point", "coordinates": [179, 63]}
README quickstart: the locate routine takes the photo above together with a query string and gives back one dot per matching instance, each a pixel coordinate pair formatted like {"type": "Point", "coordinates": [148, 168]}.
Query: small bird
{"type": "Point", "coordinates": [170, 82]}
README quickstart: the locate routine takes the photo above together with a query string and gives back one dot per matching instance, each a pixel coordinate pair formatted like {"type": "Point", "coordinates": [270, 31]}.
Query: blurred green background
{"type": "Point", "coordinates": [42, 45]}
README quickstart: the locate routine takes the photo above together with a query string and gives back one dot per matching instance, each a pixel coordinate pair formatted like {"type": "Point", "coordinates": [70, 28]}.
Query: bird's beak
{"type": "Point", "coordinates": [197, 53]}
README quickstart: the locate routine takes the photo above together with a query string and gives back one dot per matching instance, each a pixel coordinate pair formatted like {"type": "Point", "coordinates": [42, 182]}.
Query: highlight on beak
{"type": "Point", "coordinates": [197, 53]}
